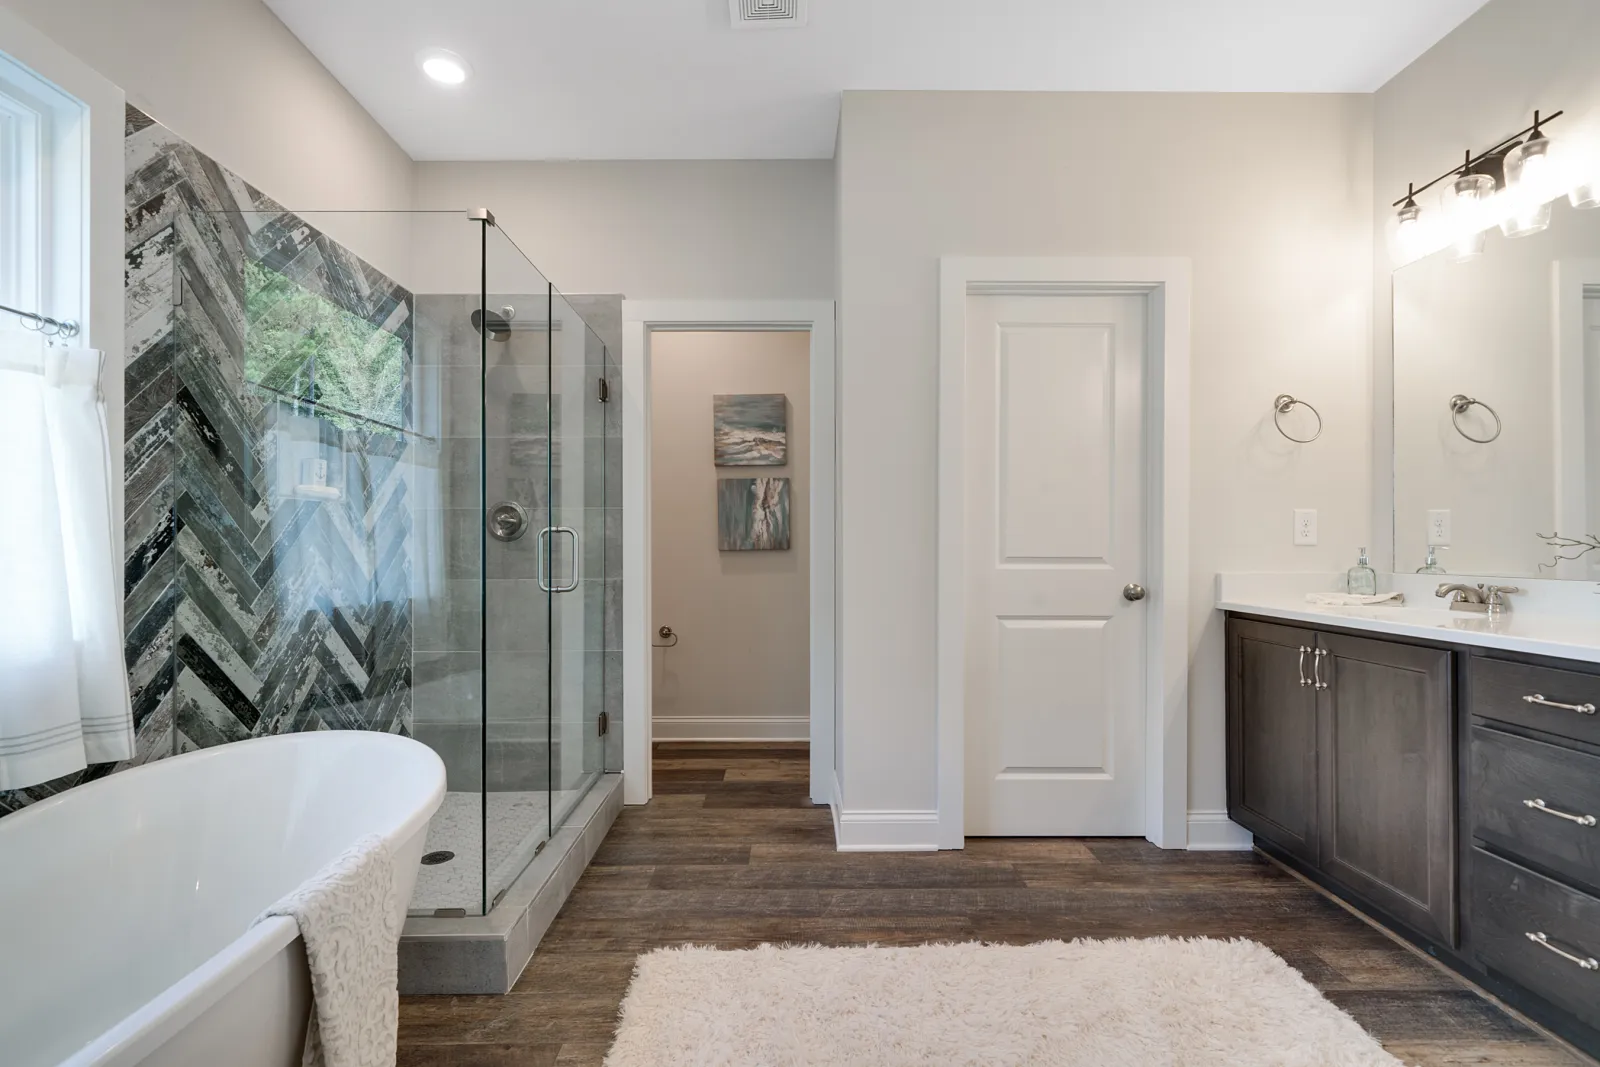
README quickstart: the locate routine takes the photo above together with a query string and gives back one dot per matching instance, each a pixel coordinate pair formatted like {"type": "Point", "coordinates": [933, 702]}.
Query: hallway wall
{"type": "Point", "coordinates": [741, 667]}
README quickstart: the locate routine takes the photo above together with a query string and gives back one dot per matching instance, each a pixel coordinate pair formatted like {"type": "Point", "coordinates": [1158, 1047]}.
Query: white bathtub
{"type": "Point", "coordinates": [125, 905]}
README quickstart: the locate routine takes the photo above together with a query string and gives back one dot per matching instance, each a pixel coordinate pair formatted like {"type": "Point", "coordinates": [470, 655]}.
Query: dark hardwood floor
{"type": "Point", "coordinates": [732, 853]}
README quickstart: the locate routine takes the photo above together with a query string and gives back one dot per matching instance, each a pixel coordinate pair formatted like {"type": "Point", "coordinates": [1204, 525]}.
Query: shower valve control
{"type": "Point", "coordinates": [508, 521]}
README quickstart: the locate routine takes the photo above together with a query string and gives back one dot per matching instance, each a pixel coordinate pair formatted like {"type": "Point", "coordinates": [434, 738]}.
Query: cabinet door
{"type": "Point", "coordinates": [1272, 735]}
{"type": "Point", "coordinates": [1387, 819]}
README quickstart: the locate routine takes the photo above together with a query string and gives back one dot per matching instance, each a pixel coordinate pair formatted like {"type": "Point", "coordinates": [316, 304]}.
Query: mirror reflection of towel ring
{"type": "Point", "coordinates": [1285, 404]}
{"type": "Point", "coordinates": [1459, 405]}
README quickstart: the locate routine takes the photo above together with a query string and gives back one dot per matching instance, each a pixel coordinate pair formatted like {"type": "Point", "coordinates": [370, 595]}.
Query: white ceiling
{"type": "Point", "coordinates": [671, 79]}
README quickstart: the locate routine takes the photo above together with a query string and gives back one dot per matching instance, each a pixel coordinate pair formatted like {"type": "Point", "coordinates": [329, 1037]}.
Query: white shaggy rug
{"type": "Point", "coordinates": [1194, 1003]}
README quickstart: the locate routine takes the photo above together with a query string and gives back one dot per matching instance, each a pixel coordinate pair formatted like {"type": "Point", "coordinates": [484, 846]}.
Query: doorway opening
{"type": "Point", "coordinates": [726, 523]}
{"type": "Point", "coordinates": [730, 536]}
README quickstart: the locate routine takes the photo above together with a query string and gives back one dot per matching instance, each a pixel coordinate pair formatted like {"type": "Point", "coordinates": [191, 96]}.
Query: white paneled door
{"type": "Point", "coordinates": [1055, 567]}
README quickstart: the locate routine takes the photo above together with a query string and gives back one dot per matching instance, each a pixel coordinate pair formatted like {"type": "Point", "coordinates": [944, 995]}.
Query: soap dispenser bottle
{"type": "Point", "coordinates": [1432, 564]}
{"type": "Point", "coordinates": [1362, 579]}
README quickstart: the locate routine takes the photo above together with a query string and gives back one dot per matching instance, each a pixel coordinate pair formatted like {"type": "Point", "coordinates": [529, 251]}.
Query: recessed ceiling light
{"type": "Point", "coordinates": [443, 66]}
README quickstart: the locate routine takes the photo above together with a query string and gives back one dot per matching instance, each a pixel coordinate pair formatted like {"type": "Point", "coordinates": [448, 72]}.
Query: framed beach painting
{"type": "Point", "coordinates": [753, 514]}
{"type": "Point", "coordinates": [750, 429]}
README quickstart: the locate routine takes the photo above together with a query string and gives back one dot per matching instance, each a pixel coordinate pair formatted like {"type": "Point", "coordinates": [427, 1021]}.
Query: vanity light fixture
{"type": "Point", "coordinates": [1469, 197]}
{"type": "Point", "coordinates": [1513, 175]}
{"type": "Point", "coordinates": [443, 66]}
{"type": "Point", "coordinates": [1409, 212]}
{"type": "Point", "coordinates": [1528, 175]}
{"type": "Point", "coordinates": [1586, 195]}
{"type": "Point", "coordinates": [1529, 218]}
{"type": "Point", "coordinates": [1528, 163]}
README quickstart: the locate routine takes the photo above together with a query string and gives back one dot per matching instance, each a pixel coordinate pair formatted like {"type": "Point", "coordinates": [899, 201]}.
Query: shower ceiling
{"type": "Point", "coordinates": [671, 79]}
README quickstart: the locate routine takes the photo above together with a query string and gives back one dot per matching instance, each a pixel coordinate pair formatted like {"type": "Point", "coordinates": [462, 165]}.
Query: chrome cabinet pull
{"type": "Point", "coordinates": [1304, 681]}
{"type": "Point", "coordinates": [1316, 671]}
{"type": "Point", "coordinates": [1588, 963]}
{"type": "Point", "coordinates": [1539, 805]}
{"type": "Point", "coordinates": [1538, 698]}
{"type": "Point", "coordinates": [542, 556]}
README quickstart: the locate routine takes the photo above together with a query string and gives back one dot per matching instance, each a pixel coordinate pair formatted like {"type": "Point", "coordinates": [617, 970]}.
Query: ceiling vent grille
{"type": "Point", "coordinates": [767, 14]}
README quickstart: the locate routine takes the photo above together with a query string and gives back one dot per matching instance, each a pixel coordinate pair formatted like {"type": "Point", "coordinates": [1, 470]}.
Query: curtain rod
{"type": "Point", "coordinates": [58, 328]}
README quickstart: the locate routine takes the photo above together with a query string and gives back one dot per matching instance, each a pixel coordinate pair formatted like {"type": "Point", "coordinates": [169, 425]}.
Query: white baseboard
{"type": "Point", "coordinates": [1213, 831]}
{"type": "Point", "coordinates": [886, 831]}
{"type": "Point", "coordinates": [724, 728]}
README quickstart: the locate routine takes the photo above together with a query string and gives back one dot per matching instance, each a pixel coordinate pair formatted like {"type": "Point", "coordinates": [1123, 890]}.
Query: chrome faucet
{"type": "Point", "coordinates": [1466, 598]}
{"type": "Point", "coordinates": [1495, 602]}
{"type": "Point", "coordinates": [1487, 600]}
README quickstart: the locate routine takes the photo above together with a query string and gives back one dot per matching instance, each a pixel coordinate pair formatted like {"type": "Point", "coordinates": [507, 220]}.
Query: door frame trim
{"type": "Point", "coordinates": [1573, 283]}
{"type": "Point", "coordinates": [641, 319]}
{"type": "Point", "coordinates": [1166, 284]}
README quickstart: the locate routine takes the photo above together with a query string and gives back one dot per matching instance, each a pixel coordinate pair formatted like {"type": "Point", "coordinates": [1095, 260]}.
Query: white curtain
{"type": "Point", "coordinates": [63, 688]}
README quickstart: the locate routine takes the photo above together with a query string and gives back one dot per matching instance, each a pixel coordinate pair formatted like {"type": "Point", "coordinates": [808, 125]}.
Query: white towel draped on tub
{"type": "Point", "coordinates": [348, 919]}
{"type": "Point", "coordinates": [63, 687]}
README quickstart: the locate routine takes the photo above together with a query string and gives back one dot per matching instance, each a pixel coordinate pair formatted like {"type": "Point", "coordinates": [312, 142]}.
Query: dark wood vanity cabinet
{"type": "Point", "coordinates": [1451, 793]}
{"type": "Point", "coordinates": [1272, 735]}
{"type": "Point", "coordinates": [1340, 753]}
{"type": "Point", "coordinates": [1387, 778]}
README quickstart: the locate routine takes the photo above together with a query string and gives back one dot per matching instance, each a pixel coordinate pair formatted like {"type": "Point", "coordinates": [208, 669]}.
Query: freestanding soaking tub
{"type": "Point", "coordinates": [125, 905]}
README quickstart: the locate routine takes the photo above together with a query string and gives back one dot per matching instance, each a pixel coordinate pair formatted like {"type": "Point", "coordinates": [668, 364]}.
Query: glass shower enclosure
{"type": "Point", "coordinates": [421, 523]}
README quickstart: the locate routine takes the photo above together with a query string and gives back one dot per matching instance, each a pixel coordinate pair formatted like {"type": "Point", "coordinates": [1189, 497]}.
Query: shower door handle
{"type": "Point", "coordinates": [544, 559]}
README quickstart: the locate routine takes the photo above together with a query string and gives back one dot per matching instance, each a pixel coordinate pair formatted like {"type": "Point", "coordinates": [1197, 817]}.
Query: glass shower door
{"type": "Point", "coordinates": [579, 588]}
{"type": "Point", "coordinates": [524, 559]}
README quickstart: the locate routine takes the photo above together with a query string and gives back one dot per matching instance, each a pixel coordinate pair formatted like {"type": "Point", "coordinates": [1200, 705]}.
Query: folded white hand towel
{"type": "Point", "coordinates": [1346, 600]}
{"type": "Point", "coordinates": [348, 918]}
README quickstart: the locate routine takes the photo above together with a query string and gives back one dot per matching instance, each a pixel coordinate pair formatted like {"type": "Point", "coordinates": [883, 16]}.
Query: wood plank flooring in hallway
{"type": "Point", "coordinates": [732, 853]}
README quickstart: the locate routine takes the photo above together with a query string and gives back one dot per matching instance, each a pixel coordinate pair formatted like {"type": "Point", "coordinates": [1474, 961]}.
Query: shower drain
{"type": "Point", "coordinates": [433, 859]}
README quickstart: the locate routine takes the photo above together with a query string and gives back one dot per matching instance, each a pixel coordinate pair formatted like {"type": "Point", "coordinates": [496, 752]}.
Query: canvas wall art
{"type": "Point", "coordinates": [751, 429]}
{"type": "Point", "coordinates": [753, 514]}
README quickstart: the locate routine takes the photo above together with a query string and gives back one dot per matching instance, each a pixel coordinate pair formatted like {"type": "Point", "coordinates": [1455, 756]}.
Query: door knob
{"type": "Point", "coordinates": [1133, 591]}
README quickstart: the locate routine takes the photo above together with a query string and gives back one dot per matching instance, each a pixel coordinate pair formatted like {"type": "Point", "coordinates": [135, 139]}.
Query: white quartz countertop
{"type": "Point", "coordinates": [1521, 629]}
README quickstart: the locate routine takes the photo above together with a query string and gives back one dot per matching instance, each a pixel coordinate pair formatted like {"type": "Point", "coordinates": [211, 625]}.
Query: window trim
{"type": "Point", "coordinates": [44, 195]}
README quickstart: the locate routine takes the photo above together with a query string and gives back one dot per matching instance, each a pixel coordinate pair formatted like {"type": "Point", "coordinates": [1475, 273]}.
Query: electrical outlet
{"type": "Point", "coordinates": [1439, 529]}
{"type": "Point", "coordinates": [1305, 526]}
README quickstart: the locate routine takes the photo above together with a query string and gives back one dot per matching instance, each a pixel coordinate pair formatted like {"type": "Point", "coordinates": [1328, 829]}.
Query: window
{"type": "Point", "coordinates": [43, 195]}
{"type": "Point", "coordinates": [65, 690]}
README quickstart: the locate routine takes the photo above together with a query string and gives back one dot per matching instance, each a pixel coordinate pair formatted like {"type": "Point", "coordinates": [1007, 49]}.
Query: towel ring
{"type": "Point", "coordinates": [1459, 405]}
{"type": "Point", "coordinates": [1285, 404]}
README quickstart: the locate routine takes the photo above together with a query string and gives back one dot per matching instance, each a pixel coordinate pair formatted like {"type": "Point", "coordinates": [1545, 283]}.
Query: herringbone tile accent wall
{"type": "Point", "coordinates": [256, 604]}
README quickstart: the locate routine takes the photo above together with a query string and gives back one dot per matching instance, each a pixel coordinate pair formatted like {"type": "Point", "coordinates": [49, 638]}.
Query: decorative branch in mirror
{"type": "Point", "coordinates": [1584, 545]}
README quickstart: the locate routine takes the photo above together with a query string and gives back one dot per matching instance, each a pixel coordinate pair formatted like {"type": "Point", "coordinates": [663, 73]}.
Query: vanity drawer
{"type": "Point", "coordinates": [1510, 771]}
{"type": "Point", "coordinates": [1510, 903]}
{"type": "Point", "coordinates": [1500, 688]}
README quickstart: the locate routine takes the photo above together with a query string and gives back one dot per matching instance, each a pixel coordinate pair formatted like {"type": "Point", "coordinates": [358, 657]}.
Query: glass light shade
{"type": "Point", "coordinates": [1529, 165]}
{"type": "Point", "coordinates": [1526, 219]}
{"type": "Point", "coordinates": [1468, 191]}
{"type": "Point", "coordinates": [1409, 213]}
{"type": "Point", "coordinates": [1470, 246]}
{"type": "Point", "coordinates": [1586, 195]}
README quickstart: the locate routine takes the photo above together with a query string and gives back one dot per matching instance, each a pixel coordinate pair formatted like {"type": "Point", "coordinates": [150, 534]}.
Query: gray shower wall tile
{"type": "Point", "coordinates": [448, 617]}
{"type": "Point", "coordinates": [518, 615]}
{"type": "Point", "coordinates": [602, 615]}
{"type": "Point", "coordinates": [447, 687]}
{"type": "Point", "coordinates": [518, 684]}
